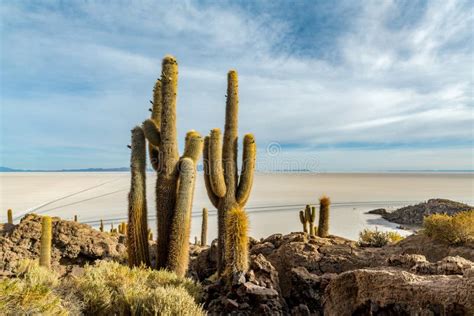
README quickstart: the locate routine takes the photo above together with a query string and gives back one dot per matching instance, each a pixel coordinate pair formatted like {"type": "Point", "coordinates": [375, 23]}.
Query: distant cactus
{"type": "Point", "coordinates": [10, 216]}
{"type": "Point", "coordinates": [101, 227]}
{"type": "Point", "coordinates": [45, 249]}
{"type": "Point", "coordinates": [196, 241]}
{"type": "Point", "coordinates": [150, 234]}
{"type": "Point", "coordinates": [204, 227]}
{"type": "Point", "coordinates": [307, 218]}
{"type": "Point", "coordinates": [137, 241]}
{"type": "Point", "coordinates": [174, 190]}
{"type": "Point", "coordinates": [225, 190]}
{"type": "Point", "coordinates": [304, 221]}
{"type": "Point", "coordinates": [237, 241]}
{"type": "Point", "coordinates": [75, 218]}
{"type": "Point", "coordinates": [323, 227]}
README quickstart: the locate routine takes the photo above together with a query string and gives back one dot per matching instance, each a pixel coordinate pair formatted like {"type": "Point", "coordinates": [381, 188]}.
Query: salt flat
{"type": "Point", "coordinates": [273, 206]}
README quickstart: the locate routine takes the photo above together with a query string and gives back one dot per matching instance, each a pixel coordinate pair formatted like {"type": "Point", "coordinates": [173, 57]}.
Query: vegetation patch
{"type": "Point", "coordinates": [376, 238]}
{"type": "Point", "coordinates": [454, 230]}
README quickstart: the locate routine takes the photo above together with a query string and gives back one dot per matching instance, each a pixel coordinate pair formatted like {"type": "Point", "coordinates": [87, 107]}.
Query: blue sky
{"type": "Point", "coordinates": [330, 85]}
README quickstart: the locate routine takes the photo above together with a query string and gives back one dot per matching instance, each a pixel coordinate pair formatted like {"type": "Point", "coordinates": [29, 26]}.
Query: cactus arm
{"type": "Point", "coordinates": [216, 163]}
{"type": "Point", "coordinates": [230, 146]}
{"type": "Point", "coordinates": [207, 181]}
{"type": "Point", "coordinates": [248, 169]}
{"type": "Point", "coordinates": [137, 228]}
{"type": "Point", "coordinates": [153, 151]}
{"type": "Point", "coordinates": [178, 256]}
{"type": "Point", "coordinates": [193, 146]}
{"type": "Point", "coordinates": [152, 132]}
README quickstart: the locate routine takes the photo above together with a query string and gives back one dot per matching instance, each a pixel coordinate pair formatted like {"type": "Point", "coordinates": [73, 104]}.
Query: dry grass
{"type": "Point", "coordinates": [454, 230]}
{"type": "Point", "coordinates": [110, 288]}
{"type": "Point", "coordinates": [375, 238]}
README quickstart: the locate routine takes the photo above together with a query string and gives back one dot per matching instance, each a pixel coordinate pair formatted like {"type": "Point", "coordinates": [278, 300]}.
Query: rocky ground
{"type": "Point", "coordinates": [413, 214]}
{"type": "Point", "coordinates": [289, 274]}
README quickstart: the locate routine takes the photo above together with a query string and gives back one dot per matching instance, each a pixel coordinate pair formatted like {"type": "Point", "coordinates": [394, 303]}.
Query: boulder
{"type": "Point", "coordinates": [391, 291]}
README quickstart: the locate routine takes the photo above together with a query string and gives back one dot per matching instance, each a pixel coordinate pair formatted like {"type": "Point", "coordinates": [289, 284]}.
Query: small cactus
{"type": "Point", "coordinates": [204, 227]}
{"type": "Point", "coordinates": [10, 216]}
{"type": "Point", "coordinates": [237, 242]}
{"type": "Point", "coordinates": [101, 227]}
{"type": "Point", "coordinates": [75, 218]}
{"type": "Point", "coordinates": [150, 234]}
{"type": "Point", "coordinates": [196, 241]}
{"type": "Point", "coordinates": [45, 249]}
{"type": "Point", "coordinates": [304, 221]}
{"type": "Point", "coordinates": [323, 227]}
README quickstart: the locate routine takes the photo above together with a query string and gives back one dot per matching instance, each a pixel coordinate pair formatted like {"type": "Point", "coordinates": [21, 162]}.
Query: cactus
{"type": "Point", "coordinates": [307, 218]}
{"type": "Point", "coordinates": [175, 175]}
{"type": "Point", "coordinates": [323, 227]}
{"type": "Point", "coordinates": [75, 218]}
{"type": "Point", "coordinates": [304, 221]}
{"type": "Point", "coordinates": [137, 230]}
{"type": "Point", "coordinates": [45, 249]}
{"type": "Point", "coordinates": [237, 242]}
{"type": "Point", "coordinates": [204, 227]}
{"type": "Point", "coordinates": [196, 241]}
{"type": "Point", "coordinates": [225, 190]}
{"type": "Point", "coordinates": [111, 227]}
{"type": "Point", "coordinates": [101, 227]}
{"type": "Point", "coordinates": [10, 216]}
{"type": "Point", "coordinates": [150, 234]}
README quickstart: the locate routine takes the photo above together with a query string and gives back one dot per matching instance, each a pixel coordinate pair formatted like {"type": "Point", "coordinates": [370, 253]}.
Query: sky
{"type": "Point", "coordinates": [324, 85]}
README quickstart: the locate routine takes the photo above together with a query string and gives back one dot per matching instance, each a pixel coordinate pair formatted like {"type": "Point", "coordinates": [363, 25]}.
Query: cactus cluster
{"type": "Point", "coordinates": [45, 248]}
{"type": "Point", "coordinates": [225, 190]}
{"type": "Point", "coordinates": [307, 218]}
{"type": "Point", "coordinates": [175, 177]}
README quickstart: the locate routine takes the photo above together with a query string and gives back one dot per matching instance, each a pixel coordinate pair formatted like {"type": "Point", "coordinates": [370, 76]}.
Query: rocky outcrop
{"type": "Point", "coordinates": [299, 274]}
{"type": "Point", "coordinates": [414, 214]}
{"type": "Point", "coordinates": [378, 211]}
{"type": "Point", "coordinates": [74, 244]}
{"type": "Point", "coordinates": [396, 292]}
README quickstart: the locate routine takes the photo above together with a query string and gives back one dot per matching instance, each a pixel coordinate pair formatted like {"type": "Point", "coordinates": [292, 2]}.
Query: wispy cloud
{"type": "Point", "coordinates": [315, 75]}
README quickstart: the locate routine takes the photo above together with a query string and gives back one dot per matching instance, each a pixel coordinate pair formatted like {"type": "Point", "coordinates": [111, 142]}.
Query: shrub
{"type": "Point", "coordinates": [375, 238]}
{"type": "Point", "coordinates": [454, 230]}
{"type": "Point", "coordinates": [111, 288]}
{"type": "Point", "coordinates": [33, 292]}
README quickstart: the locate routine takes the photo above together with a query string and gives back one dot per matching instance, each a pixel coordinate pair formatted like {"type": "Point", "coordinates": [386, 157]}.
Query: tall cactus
{"type": "Point", "coordinates": [173, 201]}
{"type": "Point", "coordinates": [224, 189]}
{"type": "Point", "coordinates": [237, 242]}
{"type": "Point", "coordinates": [137, 241]}
{"type": "Point", "coordinates": [323, 227]}
{"type": "Point", "coordinates": [204, 227]}
{"type": "Point", "coordinates": [45, 248]}
{"type": "Point", "coordinates": [10, 216]}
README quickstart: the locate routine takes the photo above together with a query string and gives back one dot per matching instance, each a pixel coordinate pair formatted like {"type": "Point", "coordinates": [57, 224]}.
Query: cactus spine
{"type": "Point", "coordinates": [225, 190]}
{"type": "Point", "coordinates": [237, 241]}
{"type": "Point", "coordinates": [137, 241]}
{"type": "Point", "coordinates": [175, 175]}
{"type": "Point", "coordinates": [323, 227]}
{"type": "Point", "coordinates": [10, 216]}
{"type": "Point", "coordinates": [45, 249]}
{"type": "Point", "coordinates": [204, 227]}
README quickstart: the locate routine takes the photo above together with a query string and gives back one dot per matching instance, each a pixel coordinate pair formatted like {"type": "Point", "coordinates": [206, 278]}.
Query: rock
{"type": "Point", "coordinates": [395, 292]}
{"type": "Point", "coordinates": [264, 248]}
{"type": "Point", "coordinates": [378, 211]}
{"type": "Point", "coordinates": [406, 261]}
{"type": "Point", "coordinates": [414, 214]}
{"type": "Point", "coordinates": [73, 244]}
